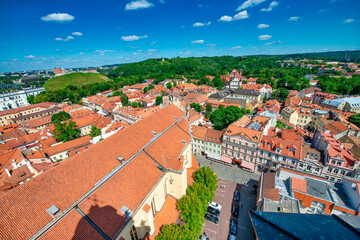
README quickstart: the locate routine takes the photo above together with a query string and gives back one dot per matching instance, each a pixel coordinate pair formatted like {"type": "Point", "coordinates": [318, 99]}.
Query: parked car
{"type": "Point", "coordinates": [215, 205]}
{"type": "Point", "coordinates": [202, 237]}
{"type": "Point", "coordinates": [232, 237]}
{"type": "Point", "coordinates": [212, 218]}
{"type": "Point", "coordinates": [233, 226]}
{"type": "Point", "coordinates": [213, 211]}
{"type": "Point", "coordinates": [237, 195]}
{"type": "Point", "coordinates": [235, 210]}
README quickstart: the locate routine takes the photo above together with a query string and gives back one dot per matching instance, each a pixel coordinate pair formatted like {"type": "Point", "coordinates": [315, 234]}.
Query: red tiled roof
{"type": "Point", "coordinates": [70, 145]}
{"type": "Point", "coordinates": [168, 215]}
{"type": "Point", "coordinates": [298, 184]}
{"type": "Point", "coordinates": [23, 209]}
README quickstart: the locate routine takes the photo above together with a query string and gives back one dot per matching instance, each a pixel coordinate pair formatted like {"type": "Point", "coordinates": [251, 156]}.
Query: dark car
{"type": "Point", "coordinates": [235, 210]}
{"type": "Point", "coordinates": [233, 226]}
{"type": "Point", "coordinates": [212, 218]}
{"type": "Point", "coordinates": [237, 195]}
{"type": "Point", "coordinates": [213, 211]}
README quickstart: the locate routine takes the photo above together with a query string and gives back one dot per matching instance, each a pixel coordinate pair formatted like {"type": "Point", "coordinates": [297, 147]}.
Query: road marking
{"type": "Point", "coordinates": [218, 194]}
{"type": "Point", "coordinates": [208, 229]}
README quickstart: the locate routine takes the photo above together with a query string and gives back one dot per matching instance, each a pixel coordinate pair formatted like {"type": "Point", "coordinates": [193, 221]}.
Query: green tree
{"type": "Point", "coordinates": [223, 117]}
{"type": "Point", "coordinates": [193, 206]}
{"type": "Point", "coordinates": [280, 94]}
{"type": "Point", "coordinates": [66, 131]}
{"type": "Point", "coordinates": [355, 119]}
{"type": "Point", "coordinates": [158, 100]}
{"type": "Point", "coordinates": [30, 99]}
{"type": "Point", "coordinates": [124, 99]}
{"type": "Point", "coordinates": [94, 131]}
{"type": "Point", "coordinates": [197, 107]}
{"type": "Point", "coordinates": [169, 85]}
{"type": "Point", "coordinates": [151, 86]}
{"type": "Point", "coordinates": [60, 116]}
{"type": "Point", "coordinates": [116, 93]}
{"type": "Point", "coordinates": [265, 98]}
{"type": "Point", "coordinates": [208, 110]}
{"type": "Point", "coordinates": [145, 90]}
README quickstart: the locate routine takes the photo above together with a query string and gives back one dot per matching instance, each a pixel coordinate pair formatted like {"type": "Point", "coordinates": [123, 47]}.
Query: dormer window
{"type": "Point", "coordinates": [278, 150]}
{"type": "Point", "coordinates": [292, 150]}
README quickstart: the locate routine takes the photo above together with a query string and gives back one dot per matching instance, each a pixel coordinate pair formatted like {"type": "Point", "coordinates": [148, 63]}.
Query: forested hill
{"type": "Point", "coordinates": [198, 67]}
{"type": "Point", "coordinates": [336, 55]}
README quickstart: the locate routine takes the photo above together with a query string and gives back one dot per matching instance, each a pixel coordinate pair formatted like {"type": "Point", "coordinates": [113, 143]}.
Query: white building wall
{"type": "Point", "coordinates": [18, 98]}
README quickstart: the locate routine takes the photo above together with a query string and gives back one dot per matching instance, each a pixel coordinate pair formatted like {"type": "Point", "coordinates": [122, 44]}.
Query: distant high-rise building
{"type": "Point", "coordinates": [58, 71]}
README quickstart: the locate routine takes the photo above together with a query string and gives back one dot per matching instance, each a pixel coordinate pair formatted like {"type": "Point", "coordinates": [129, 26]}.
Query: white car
{"type": "Point", "coordinates": [215, 205]}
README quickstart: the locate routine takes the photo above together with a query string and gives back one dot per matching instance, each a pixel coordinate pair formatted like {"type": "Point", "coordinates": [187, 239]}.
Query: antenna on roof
{"type": "Point", "coordinates": [183, 141]}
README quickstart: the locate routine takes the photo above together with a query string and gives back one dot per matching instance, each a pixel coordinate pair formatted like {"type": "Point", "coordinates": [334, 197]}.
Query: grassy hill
{"type": "Point", "coordinates": [76, 79]}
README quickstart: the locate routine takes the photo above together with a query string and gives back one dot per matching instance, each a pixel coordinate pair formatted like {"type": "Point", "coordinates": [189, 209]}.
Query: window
{"type": "Point", "coordinates": [301, 165]}
{"type": "Point", "coordinates": [329, 169]}
{"type": "Point", "coordinates": [308, 168]}
{"type": "Point", "coordinates": [336, 171]}
{"type": "Point", "coordinates": [133, 233]}
{"type": "Point", "coordinates": [342, 172]}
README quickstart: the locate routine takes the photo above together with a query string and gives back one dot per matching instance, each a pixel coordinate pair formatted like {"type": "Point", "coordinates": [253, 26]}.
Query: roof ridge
{"type": "Point", "coordinates": [101, 182]}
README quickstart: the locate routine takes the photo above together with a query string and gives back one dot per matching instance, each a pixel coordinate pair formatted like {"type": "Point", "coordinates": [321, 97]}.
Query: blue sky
{"type": "Point", "coordinates": [40, 34]}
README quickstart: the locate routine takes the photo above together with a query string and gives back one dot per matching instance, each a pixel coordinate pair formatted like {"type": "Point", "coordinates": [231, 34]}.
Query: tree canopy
{"type": "Point", "coordinates": [193, 206]}
{"type": "Point", "coordinates": [66, 131]}
{"type": "Point", "coordinates": [60, 116]}
{"type": "Point", "coordinates": [197, 107]}
{"type": "Point", "coordinates": [94, 131]}
{"type": "Point", "coordinates": [223, 117]}
{"type": "Point", "coordinates": [355, 119]}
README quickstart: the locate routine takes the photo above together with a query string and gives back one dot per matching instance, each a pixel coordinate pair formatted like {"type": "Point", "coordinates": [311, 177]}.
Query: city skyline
{"type": "Point", "coordinates": [94, 33]}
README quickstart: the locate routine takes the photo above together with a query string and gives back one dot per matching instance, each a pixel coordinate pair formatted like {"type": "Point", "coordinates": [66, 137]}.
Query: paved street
{"type": "Point", "coordinates": [232, 178]}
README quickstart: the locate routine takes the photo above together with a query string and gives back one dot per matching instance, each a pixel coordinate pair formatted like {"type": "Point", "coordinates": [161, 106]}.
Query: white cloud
{"type": "Point", "coordinates": [324, 10]}
{"type": "Point", "coordinates": [77, 34]}
{"type": "Point", "coordinates": [81, 53]}
{"type": "Point", "coordinates": [211, 45]}
{"type": "Point", "coordinates": [241, 15]}
{"type": "Point", "coordinates": [185, 53]}
{"type": "Point", "coordinates": [294, 19]}
{"type": "Point", "coordinates": [264, 37]}
{"type": "Point", "coordinates": [162, 1]}
{"type": "Point", "coordinates": [138, 5]}
{"type": "Point", "coordinates": [102, 52]}
{"type": "Point", "coordinates": [132, 38]}
{"type": "Point", "coordinates": [226, 18]}
{"type": "Point", "coordinates": [249, 3]}
{"type": "Point", "coordinates": [236, 47]}
{"type": "Point", "coordinates": [197, 42]}
{"type": "Point", "coordinates": [350, 20]}
{"type": "Point", "coordinates": [57, 49]}
{"type": "Point", "coordinates": [200, 24]}
{"type": "Point", "coordinates": [58, 17]}
{"type": "Point", "coordinates": [152, 50]}
{"type": "Point", "coordinates": [30, 56]}
{"type": "Point", "coordinates": [263, 25]}
{"type": "Point", "coordinates": [271, 6]}
{"type": "Point", "coordinates": [68, 38]}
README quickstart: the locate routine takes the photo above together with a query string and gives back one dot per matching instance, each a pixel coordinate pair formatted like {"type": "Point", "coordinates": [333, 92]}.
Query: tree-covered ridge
{"type": "Point", "coordinates": [266, 69]}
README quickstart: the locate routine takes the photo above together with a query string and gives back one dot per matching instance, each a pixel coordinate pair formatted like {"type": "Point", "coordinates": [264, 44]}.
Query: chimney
{"type": "Point", "coordinates": [7, 171]}
{"type": "Point", "coordinates": [14, 163]}
{"type": "Point", "coordinates": [342, 145]}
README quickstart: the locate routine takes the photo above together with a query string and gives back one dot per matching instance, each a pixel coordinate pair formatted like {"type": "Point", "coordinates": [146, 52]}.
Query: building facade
{"type": "Point", "coordinates": [18, 98]}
